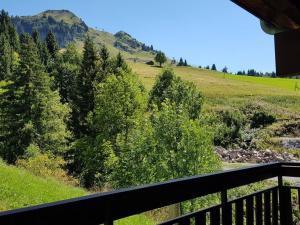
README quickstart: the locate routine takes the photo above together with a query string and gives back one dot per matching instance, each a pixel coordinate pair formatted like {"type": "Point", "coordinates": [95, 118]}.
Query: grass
{"type": "Point", "coordinates": [19, 189]}
{"type": "Point", "coordinates": [221, 90]}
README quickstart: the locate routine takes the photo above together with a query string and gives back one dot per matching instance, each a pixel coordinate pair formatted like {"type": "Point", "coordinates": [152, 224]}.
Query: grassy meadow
{"type": "Point", "coordinates": [19, 188]}
{"type": "Point", "coordinates": [225, 90]}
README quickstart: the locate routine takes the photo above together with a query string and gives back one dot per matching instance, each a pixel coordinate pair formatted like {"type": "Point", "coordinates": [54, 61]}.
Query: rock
{"type": "Point", "coordinates": [252, 156]}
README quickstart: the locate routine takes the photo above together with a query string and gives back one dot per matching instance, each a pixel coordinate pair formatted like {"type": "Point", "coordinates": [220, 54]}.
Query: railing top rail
{"type": "Point", "coordinates": [102, 207]}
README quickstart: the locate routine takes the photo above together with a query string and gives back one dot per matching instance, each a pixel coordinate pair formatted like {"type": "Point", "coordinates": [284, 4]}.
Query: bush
{"type": "Point", "coordinates": [258, 115]}
{"type": "Point", "coordinates": [150, 63]}
{"type": "Point", "coordinates": [261, 119]}
{"type": "Point", "coordinates": [46, 165]}
{"type": "Point", "coordinates": [228, 131]}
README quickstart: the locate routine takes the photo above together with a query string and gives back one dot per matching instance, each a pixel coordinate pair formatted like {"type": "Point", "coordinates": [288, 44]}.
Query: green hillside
{"type": "Point", "coordinates": [19, 188]}
{"type": "Point", "coordinates": [222, 90]}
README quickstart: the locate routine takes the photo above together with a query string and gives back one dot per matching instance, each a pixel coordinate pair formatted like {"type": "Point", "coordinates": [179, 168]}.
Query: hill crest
{"type": "Point", "coordinates": [68, 27]}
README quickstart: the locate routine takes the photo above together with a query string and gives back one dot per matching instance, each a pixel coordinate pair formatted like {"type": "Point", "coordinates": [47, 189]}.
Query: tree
{"type": "Point", "coordinates": [68, 68]}
{"type": "Point", "coordinates": [5, 58]}
{"type": "Point", "coordinates": [225, 70]}
{"type": "Point", "coordinates": [119, 64]}
{"type": "Point", "coordinates": [180, 63]}
{"type": "Point", "coordinates": [214, 67]}
{"type": "Point", "coordinates": [7, 28]}
{"type": "Point", "coordinates": [160, 58]}
{"type": "Point", "coordinates": [52, 45]}
{"type": "Point", "coordinates": [120, 103]}
{"type": "Point", "coordinates": [32, 111]}
{"type": "Point", "coordinates": [83, 102]}
{"type": "Point", "coordinates": [105, 64]}
{"type": "Point", "coordinates": [185, 63]}
{"type": "Point", "coordinates": [172, 88]}
{"type": "Point", "coordinates": [120, 100]}
{"type": "Point", "coordinates": [167, 147]}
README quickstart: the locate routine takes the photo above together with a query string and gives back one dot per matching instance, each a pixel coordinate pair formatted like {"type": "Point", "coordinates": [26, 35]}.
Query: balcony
{"type": "Point", "coordinates": [273, 205]}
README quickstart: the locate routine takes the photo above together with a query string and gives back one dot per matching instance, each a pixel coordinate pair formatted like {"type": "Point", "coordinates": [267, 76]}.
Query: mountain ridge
{"type": "Point", "coordinates": [68, 27]}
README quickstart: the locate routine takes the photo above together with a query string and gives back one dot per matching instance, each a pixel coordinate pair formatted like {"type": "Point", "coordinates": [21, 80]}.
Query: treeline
{"type": "Point", "coordinates": [253, 72]}
{"type": "Point", "coordinates": [250, 72]}
{"type": "Point", "coordinates": [91, 111]}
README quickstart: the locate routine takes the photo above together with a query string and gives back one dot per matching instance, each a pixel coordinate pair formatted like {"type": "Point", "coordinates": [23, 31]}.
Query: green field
{"type": "Point", "coordinates": [19, 189]}
{"type": "Point", "coordinates": [277, 94]}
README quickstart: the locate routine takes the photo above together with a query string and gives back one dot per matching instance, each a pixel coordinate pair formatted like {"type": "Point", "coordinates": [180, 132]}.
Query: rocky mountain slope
{"type": "Point", "coordinates": [68, 27]}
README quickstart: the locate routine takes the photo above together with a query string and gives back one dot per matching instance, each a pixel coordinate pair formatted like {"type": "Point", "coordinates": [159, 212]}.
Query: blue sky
{"type": "Point", "coordinates": [202, 31]}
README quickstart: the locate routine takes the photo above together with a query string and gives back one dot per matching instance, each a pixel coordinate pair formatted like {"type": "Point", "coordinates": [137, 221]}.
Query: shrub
{"type": "Point", "coordinates": [228, 131]}
{"type": "Point", "coordinates": [258, 115]}
{"type": "Point", "coordinates": [46, 165]}
{"type": "Point", "coordinates": [150, 63]}
{"type": "Point", "coordinates": [261, 119]}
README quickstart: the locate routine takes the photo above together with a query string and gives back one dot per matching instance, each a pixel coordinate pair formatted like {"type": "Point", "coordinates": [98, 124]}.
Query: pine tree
{"type": "Point", "coordinates": [32, 111]}
{"type": "Point", "coordinates": [120, 64]}
{"type": "Point", "coordinates": [8, 29]}
{"type": "Point", "coordinates": [9, 45]}
{"type": "Point", "coordinates": [213, 67]}
{"type": "Point", "coordinates": [5, 58]}
{"type": "Point", "coordinates": [105, 64]}
{"type": "Point", "coordinates": [52, 44]}
{"type": "Point", "coordinates": [83, 102]}
{"type": "Point", "coordinates": [181, 63]}
{"type": "Point", "coordinates": [45, 55]}
{"type": "Point", "coordinates": [68, 69]}
{"type": "Point", "coordinates": [185, 63]}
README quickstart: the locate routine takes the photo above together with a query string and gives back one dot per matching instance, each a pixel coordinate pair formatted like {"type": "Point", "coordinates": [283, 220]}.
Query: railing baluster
{"type": "Point", "coordinates": [249, 211]}
{"type": "Point", "coordinates": [239, 212]}
{"type": "Point", "coordinates": [226, 209]}
{"type": "Point", "coordinates": [215, 216]}
{"type": "Point", "coordinates": [275, 207]}
{"type": "Point", "coordinates": [285, 204]}
{"type": "Point", "coordinates": [200, 219]}
{"type": "Point", "coordinates": [267, 208]}
{"type": "Point", "coordinates": [258, 209]}
{"type": "Point", "coordinates": [227, 214]}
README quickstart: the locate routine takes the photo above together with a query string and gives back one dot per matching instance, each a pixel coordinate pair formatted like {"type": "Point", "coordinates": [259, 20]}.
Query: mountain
{"type": "Point", "coordinates": [68, 27]}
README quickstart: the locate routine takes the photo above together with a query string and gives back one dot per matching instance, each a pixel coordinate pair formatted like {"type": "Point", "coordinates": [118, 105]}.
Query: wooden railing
{"type": "Point", "coordinates": [270, 206]}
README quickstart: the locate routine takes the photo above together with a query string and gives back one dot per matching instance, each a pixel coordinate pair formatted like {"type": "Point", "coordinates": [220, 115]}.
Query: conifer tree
{"type": "Point", "coordinates": [52, 44]}
{"type": "Point", "coordinates": [8, 29]}
{"type": "Point", "coordinates": [83, 102]}
{"type": "Point", "coordinates": [185, 63]}
{"type": "Point", "coordinates": [181, 63]}
{"type": "Point", "coordinates": [213, 67]}
{"type": "Point", "coordinates": [67, 71]}
{"type": "Point", "coordinates": [32, 111]}
{"type": "Point", "coordinates": [5, 58]}
{"type": "Point", "coordinates": [105, 63]}
{"type": "Point", "coordinates": [120, 64]}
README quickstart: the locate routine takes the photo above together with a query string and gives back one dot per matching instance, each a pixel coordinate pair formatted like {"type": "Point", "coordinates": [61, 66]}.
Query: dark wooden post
{"type": "Point", "coordinates": [285, 206]}
{"type": "Point", "coordinates": [226, 209]}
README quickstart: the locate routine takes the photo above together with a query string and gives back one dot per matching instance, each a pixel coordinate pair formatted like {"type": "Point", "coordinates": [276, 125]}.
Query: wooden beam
{"type": "Point", "coordinates": [287, 50]}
